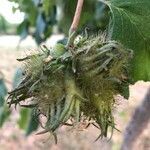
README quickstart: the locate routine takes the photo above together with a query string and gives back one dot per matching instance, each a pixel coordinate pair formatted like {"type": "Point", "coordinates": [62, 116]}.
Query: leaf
{"type": "Point", "coordinates": [3, 92]}
{"type": "Point", "coordinates": [36, 2]}
{"type": "Point", "coordinates": [40, 27]}
{"type": "Point", "coordinates": [4, 114]}
{"type": "Point", "coordinates": [32, 124]}
{"type": "Point", "coordinates": [22, 29]}
{"type": "Point", "coordinates": [4, 111]}
{"type": "Point", "coordinates": [24, 118]}
{"type": "Point", "coordinates": [48, 6]}
{"type": "Point", "coordinates": [28, 121]}
{"type": "Point", "coordinates": [130, 24]}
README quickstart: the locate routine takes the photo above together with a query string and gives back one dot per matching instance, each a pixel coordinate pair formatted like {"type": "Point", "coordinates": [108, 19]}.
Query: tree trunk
{"type": "Point", "coordinates": [138, 123]}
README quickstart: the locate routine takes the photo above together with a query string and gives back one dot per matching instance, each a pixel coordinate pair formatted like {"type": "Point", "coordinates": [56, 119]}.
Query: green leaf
{"type": "Point", "coordinates": [40, 27]}
{"type": "Point", "coordinates": [28, 121]}
{"type": "Point", "coordinates": [48, 6]}
{"type": "Point", "coordinates": [22, 29]}
{"type": "Point", "coordinates": [24, 118]}
{"type": "Point", "coordinates": [32, 124]}
{"type": "Point", "coordinates": [4, 111]}
{"type": "Point", "coordinates": [4, 114]}
{"type": "Point", "coordinates": [130, 24]}
{"type": "Point", "coordinates": [3, 92]}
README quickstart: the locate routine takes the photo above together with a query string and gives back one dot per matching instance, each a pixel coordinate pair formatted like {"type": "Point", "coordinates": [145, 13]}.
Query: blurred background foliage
{"type": "Point", "coordinates": [4, 111]}
{"type": "Point", "coordinates": [44, 17]}
{"type": "Point", "coordinates": [6, 27]}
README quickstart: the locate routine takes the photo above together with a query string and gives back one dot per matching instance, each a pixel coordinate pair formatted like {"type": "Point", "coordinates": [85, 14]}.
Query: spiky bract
{"type": "Point", "coordinates": [65, 83]}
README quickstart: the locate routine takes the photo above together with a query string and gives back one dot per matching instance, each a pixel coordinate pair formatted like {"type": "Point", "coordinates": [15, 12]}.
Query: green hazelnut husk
{"type": "Point", "coordinates": [63, 83]}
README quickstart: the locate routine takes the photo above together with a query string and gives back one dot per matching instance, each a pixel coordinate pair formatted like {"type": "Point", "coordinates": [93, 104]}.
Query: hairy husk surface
{"type": "Point", "coordinates": [69, 83]}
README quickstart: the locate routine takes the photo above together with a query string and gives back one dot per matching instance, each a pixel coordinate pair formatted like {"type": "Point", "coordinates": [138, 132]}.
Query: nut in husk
{"type": "Point", "coordinates": [63, 85]}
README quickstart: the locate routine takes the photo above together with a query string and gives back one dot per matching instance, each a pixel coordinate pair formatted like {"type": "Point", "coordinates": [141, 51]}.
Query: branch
{"type": "Point", "coordinates": [77, 15]}
{"type": "Point", "coordinates": [137, 124]}
{"type": "Point", "coordinates": [75, 22]}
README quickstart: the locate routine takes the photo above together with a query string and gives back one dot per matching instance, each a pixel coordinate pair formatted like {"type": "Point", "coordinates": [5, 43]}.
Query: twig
{"type": "Point", "coordinates": [75, 23]}
{"type": "Point", "coordinates": [77, 15]}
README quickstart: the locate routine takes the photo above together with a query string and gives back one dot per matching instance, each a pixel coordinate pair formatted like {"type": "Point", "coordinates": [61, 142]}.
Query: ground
{"type": "Point", "coordinates": [11, 137]}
